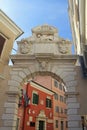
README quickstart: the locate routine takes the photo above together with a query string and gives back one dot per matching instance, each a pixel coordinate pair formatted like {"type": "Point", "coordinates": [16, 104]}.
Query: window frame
{"type": "Point", "coordinates": [56, 83]}
{"type": "Point", "coordinates": [48, 102]}
{"type": "Point", "coordinates": [56, 123]}
{"type": "Point", "coordinates": [57, 109]}
{"type": "Point", "coordinates": [56, 96]}
{"type": "Point", "coordinates": [35, 98]}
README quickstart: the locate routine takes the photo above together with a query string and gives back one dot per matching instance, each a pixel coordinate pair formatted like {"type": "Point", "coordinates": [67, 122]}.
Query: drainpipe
{"type": "Point", "coordinates": [26, 103]}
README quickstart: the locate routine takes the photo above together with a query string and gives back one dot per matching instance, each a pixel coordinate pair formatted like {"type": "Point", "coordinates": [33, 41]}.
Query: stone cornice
{"type": "Point", "coordinates": [26, 58]}
{"type": "Point", "coordinates": [4, 19]}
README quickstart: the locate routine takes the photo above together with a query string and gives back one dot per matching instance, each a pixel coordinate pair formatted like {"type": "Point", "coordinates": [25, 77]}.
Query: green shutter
{"type": "Point", "coordinates": [35, 98]}
{"type": "Point", "coordinates": [46, 102]}
{"type": "Point", "coordinates": [50, 103]}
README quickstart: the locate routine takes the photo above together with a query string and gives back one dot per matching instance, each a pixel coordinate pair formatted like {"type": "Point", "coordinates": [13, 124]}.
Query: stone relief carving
{"type": "Point", "coordinates": [48, 36]}
{"type": "Point", "coordinates": [42, 114]}
{"type": "Point", "coordinates": [44, 37]}
{"type": "Point", "coordinates": [64, 47]}
{"type": "Point", "coordinates": [45, 33]}
{"type": "Point", "coordinates": [43, 65]}
{"type": "Point", "coordinates": [25, 47]}
{"type": "Point", "coordinates": [44, 29]}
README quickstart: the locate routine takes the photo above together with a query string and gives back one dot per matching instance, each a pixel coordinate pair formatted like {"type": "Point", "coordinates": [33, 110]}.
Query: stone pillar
{"type": "Point", "coordinates": [9, 117]}
{"type": "Point", "coordinates": [74, 119]}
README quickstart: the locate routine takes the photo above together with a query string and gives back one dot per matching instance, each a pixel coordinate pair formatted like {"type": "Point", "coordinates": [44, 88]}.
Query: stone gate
{"type": "Point", "coordinates": [44, 53]}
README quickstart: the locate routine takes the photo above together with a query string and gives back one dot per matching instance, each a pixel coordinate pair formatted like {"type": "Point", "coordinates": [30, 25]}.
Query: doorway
{"type": "Point", "coordinates": [41, 125]}
{"type": "Point", "coordinates": [62, 125]}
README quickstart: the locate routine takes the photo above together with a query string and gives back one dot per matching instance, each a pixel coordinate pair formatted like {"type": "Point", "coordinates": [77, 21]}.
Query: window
{"type": "Point", "coordinates": [65, 111]}
{"type": "Point", "coordinates": [64, 88]}
{"type": "Point", "coordinates": [60, 86]}
{"type": "Point", "coordinates": [56, 96]}
{"type": "Point", "coordinates": [32, 124]}
{"type": "Point", "coordinates": [48, 103]}
{"type": "Point", "coordinates": [56, 109]}
{"type": "Point", "coordinates": [2, 41]}
{"type": "Point", "coordinates": [56, 123]}
{"type": "Point", "coordinates": [66, 124]}
{"type": "Point", "coordinates": [61, 110]}
{"type": "Point", "coordinates": [56, 83]}
{"type": "Point", "coordinates": [64, 99]}
{"type": "Point", "coordinates": [62, 125]}
{"type": "Point", "coordinates": [61, 98]}
{"type": "Point", "coordinates": [35, 98]}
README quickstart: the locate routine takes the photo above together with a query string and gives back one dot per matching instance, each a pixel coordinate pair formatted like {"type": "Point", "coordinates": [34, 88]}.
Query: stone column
{"type": "Point", "coordinates": [69, 75]}
{"type": "Point", "coordinates": [10, 115]}
{"type": "Point", "coordinates": [74, 119]}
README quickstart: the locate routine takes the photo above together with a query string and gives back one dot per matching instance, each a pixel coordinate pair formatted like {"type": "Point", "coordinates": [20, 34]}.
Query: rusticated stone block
{"type": "Point", "coordinates": [9, 116]}
{"type": "Point", "coordinates": [11, 105]}
{"type": "Point", "coordinates": [13, 83]}
{"type": "Point", "coordinates": [73, 105]}
{"type": "Point", "coordinates": [72, 112]}
{"type": "Point", "coordinates": [74, 118]}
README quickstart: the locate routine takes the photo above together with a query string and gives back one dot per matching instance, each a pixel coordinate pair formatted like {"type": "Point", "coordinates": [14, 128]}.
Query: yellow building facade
{"type": "Point", "coordinates": [78, 20]}
{"type": "Point", "coordinates": [9, 31]}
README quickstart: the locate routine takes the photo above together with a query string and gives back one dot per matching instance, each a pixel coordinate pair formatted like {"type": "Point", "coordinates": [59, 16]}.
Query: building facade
{"type": "Point", "coordinates": [9, 31]}
{"type": "Point", "coordinates": [60, 106]}
{"type": "Point", "coordinates": [38, 113]}
{"type": "Point", "coordinates": [78, 20]}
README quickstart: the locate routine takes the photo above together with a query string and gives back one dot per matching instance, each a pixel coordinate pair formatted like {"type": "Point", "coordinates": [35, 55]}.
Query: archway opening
{"type": "Point", "coordinates": [31, 115]}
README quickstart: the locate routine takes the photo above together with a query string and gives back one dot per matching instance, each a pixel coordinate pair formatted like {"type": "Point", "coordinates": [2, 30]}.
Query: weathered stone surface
{"type": "Point", "coordinates": [71, 89]}
{"type": "Point", "coordinates": [73, 105]}
{"type": "Point", "coordinates": [13, 83]}
{"type": "Point", "coordinates": [22, 74]}
{"type": "Point", "coordinates": [16, 78]}
{"type": "Point", "coordinates": [74, 118]}
{"type": "Point", "coordinates": [76, 128]}
{"type": "Point", "coordinates": [71, 100]}
{"type": "Point", "coordinates": [7, 128]}
{"type": "Point", "coordinates": [73, 124]}
{"type": "Point", "coordinates": [11, 110]}
{"type": "Point", "coordinates": [10, 123]}
{"type": "Point", "coordinates": [72, 111]}
{"type": "Point", "coordinates": [11, 105]}
{"type": "Point", "coordinates": [48, 53]}
{"type": "Point", "coordinates": [9, 116]}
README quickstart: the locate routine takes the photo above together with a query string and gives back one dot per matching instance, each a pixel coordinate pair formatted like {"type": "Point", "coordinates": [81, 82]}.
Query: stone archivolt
{"type": "Point", "coordinates": [44, 39]}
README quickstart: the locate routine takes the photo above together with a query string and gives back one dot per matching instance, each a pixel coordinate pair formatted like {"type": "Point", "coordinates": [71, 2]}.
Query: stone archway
{"type": "Point", "coordinates": [33, 58]}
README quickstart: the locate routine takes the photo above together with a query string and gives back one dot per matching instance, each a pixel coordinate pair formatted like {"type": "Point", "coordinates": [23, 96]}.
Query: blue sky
{"type": "Point", "coordinates": [30, 13]}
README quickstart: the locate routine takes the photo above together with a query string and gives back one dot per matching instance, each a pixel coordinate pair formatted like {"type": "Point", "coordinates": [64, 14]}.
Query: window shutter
{"type": "Point", "coordinates": [35, 98]}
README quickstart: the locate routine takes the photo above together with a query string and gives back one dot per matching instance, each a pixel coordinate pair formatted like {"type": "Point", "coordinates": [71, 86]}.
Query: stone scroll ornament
{"type": "Point", "coordinates": [25, 47]}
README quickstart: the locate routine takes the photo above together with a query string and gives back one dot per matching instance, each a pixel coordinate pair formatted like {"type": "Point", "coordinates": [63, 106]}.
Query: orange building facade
{"type": "Point", "coordinates": [59, 106]}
